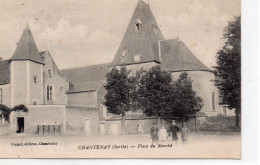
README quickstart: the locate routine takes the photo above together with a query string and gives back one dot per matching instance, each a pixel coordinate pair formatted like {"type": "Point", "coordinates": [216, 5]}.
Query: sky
{"type": "Point", "coordinates": [87, 32]}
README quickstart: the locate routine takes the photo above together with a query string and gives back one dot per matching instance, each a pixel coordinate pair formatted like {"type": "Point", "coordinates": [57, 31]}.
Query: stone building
{"type": "Point", "coordinates": [72, 99]}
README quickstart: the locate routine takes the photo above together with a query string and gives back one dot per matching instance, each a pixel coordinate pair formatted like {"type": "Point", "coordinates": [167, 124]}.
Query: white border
{"type": "Point", "coordinates": [250, 105]}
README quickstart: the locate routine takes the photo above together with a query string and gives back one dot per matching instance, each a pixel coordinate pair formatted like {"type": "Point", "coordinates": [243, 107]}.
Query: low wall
{"type": "Point", "coordinates": [39, 115]}
{"type": "Point", "coordinates": [76, 117]}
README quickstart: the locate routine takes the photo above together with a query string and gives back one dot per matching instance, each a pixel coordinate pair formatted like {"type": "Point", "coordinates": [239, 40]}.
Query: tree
{"type": "Point", "coordinates": [228, 71]}
{"type": "Point", "coordinates": [4, 112]}
{"type": "Point", "coordinates": [186, 101]}
{"type": "Point", "coordinates": [155, 92]}
{"type": "Point", "coordinates": [118, 93]}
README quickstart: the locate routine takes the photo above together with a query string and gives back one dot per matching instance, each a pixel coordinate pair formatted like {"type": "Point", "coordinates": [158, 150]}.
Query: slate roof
{"type": "Point", "coordinates": [85, 87]}
{"type": "Point", "coordinates": [86, 74]}
{"type": "Point", "coordinates": [26, 48]}
{"type": "Point", "coordinates": [143, 42]}
{"type": "Point", "coordinates": [4, 72]}
{"type": "Point", "coordinates": [176, 56]}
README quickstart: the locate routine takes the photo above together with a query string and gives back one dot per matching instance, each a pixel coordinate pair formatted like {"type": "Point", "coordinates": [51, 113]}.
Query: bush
{"type": "Point", "coordinates": [20, 108]}
{"type": "Point", "coordinates": [218, 123]}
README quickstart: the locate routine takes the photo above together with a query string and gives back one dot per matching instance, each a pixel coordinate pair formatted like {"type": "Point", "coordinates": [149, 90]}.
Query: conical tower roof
{"type": "Point", "coordinates": [26, 48]}
{"type": "Point", "coordinates": [141, 38]}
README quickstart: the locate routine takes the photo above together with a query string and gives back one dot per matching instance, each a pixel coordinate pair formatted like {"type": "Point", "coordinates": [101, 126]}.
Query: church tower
{"type": "Point", "coordinates": [140, 45]}
{"type": "Point", "coordinates": [26, 72]}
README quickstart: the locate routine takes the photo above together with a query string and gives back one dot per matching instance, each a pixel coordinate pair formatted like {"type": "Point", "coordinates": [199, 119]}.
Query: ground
{"type": "Point", "coordinates": [200, 145]}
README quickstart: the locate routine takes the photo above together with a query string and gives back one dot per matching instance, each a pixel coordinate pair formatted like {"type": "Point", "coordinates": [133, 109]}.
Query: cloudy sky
{"type": "Point", "coordinates": [86, 32]}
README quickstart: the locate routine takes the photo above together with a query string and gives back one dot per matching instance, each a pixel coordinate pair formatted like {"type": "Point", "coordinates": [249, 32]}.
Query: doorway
{"type": "Point", "coordinates": [20, 125]}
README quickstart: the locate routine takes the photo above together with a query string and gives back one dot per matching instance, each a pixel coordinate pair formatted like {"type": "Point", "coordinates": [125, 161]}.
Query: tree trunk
{"type": "Point", "coordinates": [237, 119]}
{"type": "Point", "coordinates": [158, 121]}
{"type": "Point", "coordinates": [123, 123]}
{"type": "Point", "coordinates": [182, 121]}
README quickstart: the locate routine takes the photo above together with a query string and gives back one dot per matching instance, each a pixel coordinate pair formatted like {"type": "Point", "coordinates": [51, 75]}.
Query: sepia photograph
{"type": "Point", "coordinates": [120, 79]}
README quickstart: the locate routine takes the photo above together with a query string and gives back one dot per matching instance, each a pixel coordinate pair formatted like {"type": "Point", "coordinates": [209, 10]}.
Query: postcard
{"type": "Point", "coordinates": [120, 79]}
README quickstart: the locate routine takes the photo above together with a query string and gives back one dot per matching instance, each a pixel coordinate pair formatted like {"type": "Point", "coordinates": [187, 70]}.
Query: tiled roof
{"type": "Point", "coordinates": [176, 56]}
{"type": "Point", "coordinates": [85, 87]}
{"type": "Point", "coordinates": [131, 116]}
{"type": "Point", "coordinates": [143, 42]}
{"type": "Point", "coordinates": [86, 74]}
{"type": "Point", "coordinates": [26, 48]}
{"type": "Point", "coordinates": [4, 72]}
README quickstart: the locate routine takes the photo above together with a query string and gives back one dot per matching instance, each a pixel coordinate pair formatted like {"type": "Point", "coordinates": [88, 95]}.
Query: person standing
{"type": "Point", "coordinates": [154, 134]}
{"type": "Point", "coordinates": [163, 133]}
{"type": "Point", "coordinates": [140, 128]}
{"type": "Point", "coordinates": [173, 130]}
{"type": "Point", "coordinates": [184, 134]}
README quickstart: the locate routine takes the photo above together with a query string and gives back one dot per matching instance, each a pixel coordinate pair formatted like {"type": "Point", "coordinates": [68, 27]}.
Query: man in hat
{"type": "Point", "coordinates": [173, 130]}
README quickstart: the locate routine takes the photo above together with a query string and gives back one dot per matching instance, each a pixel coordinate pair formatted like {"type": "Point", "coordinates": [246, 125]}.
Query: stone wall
{"type": "Point", "coordinates": [83, 99]}
{"type": "Point", "coordinates": [76, 117]}
{"type": "Point", "coordinates": [203, 84]}
{"type": "Point", "coordinates": [6, 95]}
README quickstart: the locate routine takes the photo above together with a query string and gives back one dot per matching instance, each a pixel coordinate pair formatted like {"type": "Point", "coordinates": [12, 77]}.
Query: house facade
{"type": "Point", "coordinates": [72, 99]}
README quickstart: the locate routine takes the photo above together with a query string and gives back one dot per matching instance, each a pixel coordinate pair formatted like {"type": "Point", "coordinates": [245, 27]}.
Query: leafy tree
{"type": "Point", "coordinates": [186, 101]}
{"type": "Point", "coordinates": [118, 93]}
{"type": "Point", "coordinates": [135, 82]}
{"type": "Point", "coordinates": [155, 92]}
{"type": "Point", "coordinates": [4, 112]}
{"type": "Point", "coordinates": [228, 71]}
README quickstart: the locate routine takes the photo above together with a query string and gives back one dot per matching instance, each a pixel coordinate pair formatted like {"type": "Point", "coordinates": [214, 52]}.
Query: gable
{"type": "Point", "coordinates": [140, 44]}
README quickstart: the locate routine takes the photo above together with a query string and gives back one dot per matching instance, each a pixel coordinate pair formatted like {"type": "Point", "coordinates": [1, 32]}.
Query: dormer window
{"type": "Point", "coordinates": [50, 72]}
{"type": "Point", "coordinates": [155, 30]}
{"type": "Point", "coordinates": [138, 25]}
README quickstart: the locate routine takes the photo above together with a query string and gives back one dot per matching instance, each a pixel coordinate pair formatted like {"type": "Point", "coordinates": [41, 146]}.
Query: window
{"type": "Point", "coordinates": [50, 72]}
{"type": "Point", "coordinates": [213, 101]}
{"type": "Point", "coordinates": [1, 95]}
{"type": "Point", "coordinates": [61, 90]}
{"type": "Point", "coordinates": [155, 30]}
{"type": "Point", "coordinates": [50, 93]}
{"type": "Point", "coordinates": [138, 25]}
{"type": "Point", "coordinates": [35, 79]}
{"type": "Point", "coordinates": [137, 58]}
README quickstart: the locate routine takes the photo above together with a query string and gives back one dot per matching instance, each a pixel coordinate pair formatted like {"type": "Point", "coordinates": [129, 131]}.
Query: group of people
{"type": "Point", "coordinates": [162, 134]}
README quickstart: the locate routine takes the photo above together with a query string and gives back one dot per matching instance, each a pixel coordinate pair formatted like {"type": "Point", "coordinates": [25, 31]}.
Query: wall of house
{"type": "Point", "coordinates": [6, 94]}
{"type": "Point", "coordinates": [77, 116]}
{"type": "Point", "coordinates": [23, 88]}
{"type": "Point", "coordinates": [203, 84]}
{"type": "Point", "coordinates": [60, 84]}
{"type": "Point", "coordinates": [101, 92]}
{"type": "Point", "coordinates": [36, 89]}
{"type": "Point", "coordinates": [39, 115]}
{"type": "Point", "coordinates": [87, 99]}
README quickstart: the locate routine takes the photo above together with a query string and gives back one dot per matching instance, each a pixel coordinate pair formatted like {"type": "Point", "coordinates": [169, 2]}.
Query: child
{"type": "Point", "coordinates": [184, 134]}
{"type": "Point", "coordinates": [163, 133]}
{"type": "Point", "coordinates": [140, 128]}
{"type": "Point", "coordinates": [154, 134]}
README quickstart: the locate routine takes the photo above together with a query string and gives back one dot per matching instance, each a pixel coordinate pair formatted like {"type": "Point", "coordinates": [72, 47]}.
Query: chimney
{"type": "Point", "coordinates": [1, 58]}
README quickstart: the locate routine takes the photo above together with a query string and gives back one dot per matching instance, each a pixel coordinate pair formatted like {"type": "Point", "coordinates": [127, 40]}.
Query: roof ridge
{"type": "Point", "coordinates": [89, 82]}
{"type": "Point", "coordinates": [85, 66]}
